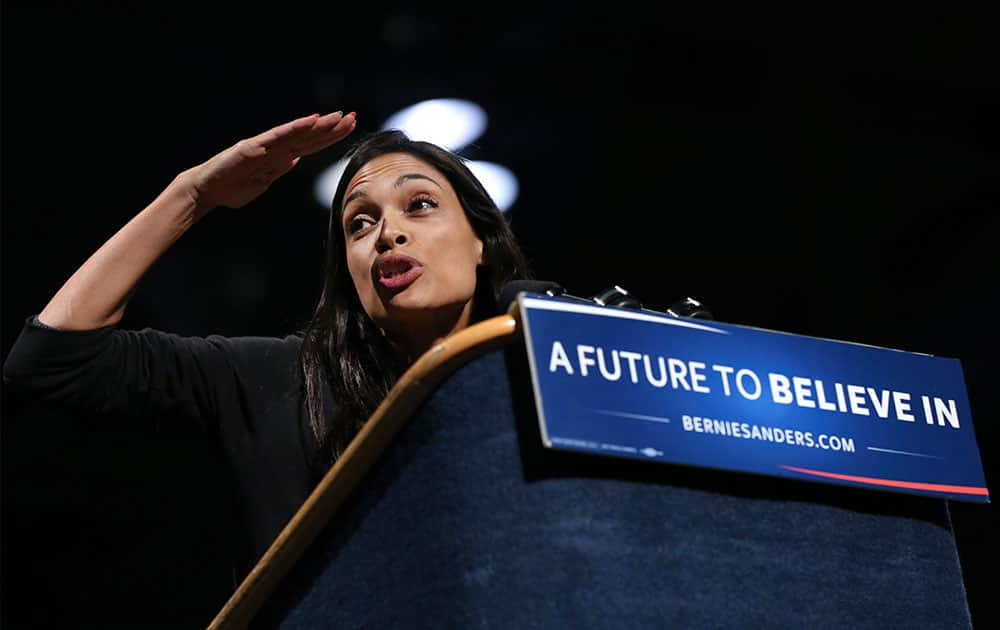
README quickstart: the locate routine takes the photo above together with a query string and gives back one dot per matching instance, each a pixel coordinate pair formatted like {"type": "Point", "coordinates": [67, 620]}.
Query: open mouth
{"type": "Point", "coordinates": [397, 271]}
{"type": "Point", "coordinates": [395, 268]}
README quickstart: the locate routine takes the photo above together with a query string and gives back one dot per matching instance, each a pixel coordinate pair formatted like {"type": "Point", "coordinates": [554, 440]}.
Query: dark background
{"type": "Point", "coordinates": [829, 174]}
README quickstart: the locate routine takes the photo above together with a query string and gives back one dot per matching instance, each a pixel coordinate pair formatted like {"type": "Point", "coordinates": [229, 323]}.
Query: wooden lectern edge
{"type": "Point", "coordinates": [406, 395]}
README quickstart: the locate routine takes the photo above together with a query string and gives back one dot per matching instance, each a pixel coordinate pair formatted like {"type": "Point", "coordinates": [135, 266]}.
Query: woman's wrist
{"type": "Point", "coordinates": [183, 190]}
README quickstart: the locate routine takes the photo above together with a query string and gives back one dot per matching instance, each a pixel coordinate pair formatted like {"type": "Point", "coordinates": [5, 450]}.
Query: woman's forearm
{"type": "Point", "coordinates": [97, 293]}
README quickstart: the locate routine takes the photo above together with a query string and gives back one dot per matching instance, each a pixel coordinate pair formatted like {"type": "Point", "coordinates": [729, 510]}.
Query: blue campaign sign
{"type": "Point", "coordinates": [642, 385]}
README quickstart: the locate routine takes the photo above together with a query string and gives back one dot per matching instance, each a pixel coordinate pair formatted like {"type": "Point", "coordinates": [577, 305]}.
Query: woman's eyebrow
{"type": "Point", "coordinates": [405, 178]}
{"type": "Point", "coordinates": [402, 179]}
{"type": "Point", "coordinates": [354, 195]}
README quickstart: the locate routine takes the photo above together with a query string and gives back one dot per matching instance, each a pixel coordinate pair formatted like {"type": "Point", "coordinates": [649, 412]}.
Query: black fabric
{"type": "Point", "coordinates": [467, 521]}
{"type": "Point", "coordinates": [246, 394]}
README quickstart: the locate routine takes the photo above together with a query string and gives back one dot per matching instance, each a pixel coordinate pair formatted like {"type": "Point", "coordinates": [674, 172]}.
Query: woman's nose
{"type": "Point", "coordinates": [390, 236]}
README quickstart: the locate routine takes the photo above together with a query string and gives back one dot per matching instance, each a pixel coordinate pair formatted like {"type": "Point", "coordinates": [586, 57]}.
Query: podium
{"type": "Point", "coordinates": [446, 511]}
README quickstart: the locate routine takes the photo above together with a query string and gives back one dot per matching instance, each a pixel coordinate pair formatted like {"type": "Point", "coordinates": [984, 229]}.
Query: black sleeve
{"type": "Point", "coordinates": [145, 373]}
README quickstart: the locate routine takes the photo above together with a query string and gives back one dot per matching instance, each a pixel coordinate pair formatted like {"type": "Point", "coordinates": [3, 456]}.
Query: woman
{"type": "Point", "coordinates": [416, 251]}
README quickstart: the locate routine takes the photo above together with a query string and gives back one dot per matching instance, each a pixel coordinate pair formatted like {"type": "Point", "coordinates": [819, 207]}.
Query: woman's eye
{"type": "Point", "coordinates": [358, 223]}
{"type": "Point", "coordinates": [422, 203]}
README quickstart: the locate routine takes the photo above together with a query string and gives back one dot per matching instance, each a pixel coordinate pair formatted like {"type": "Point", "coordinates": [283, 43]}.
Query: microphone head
{"type": "Point", "coordinates": [689, 307]}
{"type": "Point", "coordinates": [508, 294]}
{"type": "Point", "coordinates": [617, 296]}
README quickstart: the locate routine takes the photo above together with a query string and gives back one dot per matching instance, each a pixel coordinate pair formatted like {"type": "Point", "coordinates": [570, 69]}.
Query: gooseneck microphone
{"type": "Point", "coordinates": [612, 296]}
{"type": "Point", "coordinates": [617, 296]}
{"type": "Point", "coordinates": [510, 290]}
{"type": "Point", "coordinates": [689, 307]}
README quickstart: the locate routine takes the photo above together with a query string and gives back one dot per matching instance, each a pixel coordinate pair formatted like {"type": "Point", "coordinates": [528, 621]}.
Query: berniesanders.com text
{"type": "Point", "coordinates": [751, 431]}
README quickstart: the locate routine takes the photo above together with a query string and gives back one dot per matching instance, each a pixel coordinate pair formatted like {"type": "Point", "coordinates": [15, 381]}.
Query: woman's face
{"type": "Point", "coordinates": [410, 249]}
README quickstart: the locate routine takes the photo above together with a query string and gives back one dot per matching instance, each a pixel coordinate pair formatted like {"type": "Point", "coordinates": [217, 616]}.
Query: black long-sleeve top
{"type": "Point", "coordinates": [247, 393]}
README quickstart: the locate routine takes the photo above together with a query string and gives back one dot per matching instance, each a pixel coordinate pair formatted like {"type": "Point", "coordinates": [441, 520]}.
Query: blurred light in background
{"type": "Point", "coordinates": [498, 180]}
{"type": "Point", "coordinates": [446, 122]}
{"type": "Point", "coordinates": [326, 184]}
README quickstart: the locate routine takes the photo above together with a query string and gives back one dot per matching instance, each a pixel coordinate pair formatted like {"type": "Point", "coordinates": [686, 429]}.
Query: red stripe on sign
{"type": "Point", "coordinates": [936, 487]}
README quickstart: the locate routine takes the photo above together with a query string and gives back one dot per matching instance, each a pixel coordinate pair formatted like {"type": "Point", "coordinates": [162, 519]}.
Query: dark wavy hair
{"type": "Point", "coordinates": [341, 345]}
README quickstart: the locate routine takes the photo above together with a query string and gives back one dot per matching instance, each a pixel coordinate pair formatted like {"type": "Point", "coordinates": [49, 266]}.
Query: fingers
{"type": "Point", "coordinates": [327, 131]}
{"type": "Point", "coordinates": [304, 136]}
{"type": "Point", "coordinates": [286, 132]}
{"type": "Point", "coordinates": [329, 120]}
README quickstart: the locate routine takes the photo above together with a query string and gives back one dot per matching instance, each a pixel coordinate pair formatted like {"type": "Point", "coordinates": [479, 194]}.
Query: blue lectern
{"type": "Point", "coordinates": [465, 520]}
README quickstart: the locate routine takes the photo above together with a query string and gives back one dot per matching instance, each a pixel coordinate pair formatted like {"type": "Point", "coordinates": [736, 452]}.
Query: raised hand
{"type": "Point", "coordinates": [238, 175]}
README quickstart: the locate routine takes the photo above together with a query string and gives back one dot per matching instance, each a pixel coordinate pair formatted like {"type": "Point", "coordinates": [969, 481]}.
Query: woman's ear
{"type": "Point", "coordinates": [480, 258]}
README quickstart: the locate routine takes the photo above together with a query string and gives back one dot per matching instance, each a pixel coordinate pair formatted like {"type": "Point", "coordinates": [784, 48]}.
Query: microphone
{"type": "Point", "coordinates": [689, 307]}
{"type": "Point", "coordinates": [685, 307]}
{"type": "Point", "coordinates": [612, 296]}
{"type": "Point", "coordinates": [510, 290]}
{"type": "Point", "coordinates": [617, 296]}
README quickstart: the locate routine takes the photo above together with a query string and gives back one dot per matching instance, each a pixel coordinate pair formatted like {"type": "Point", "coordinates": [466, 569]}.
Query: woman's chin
{"type": "Point", "coordinates": [404, 306]}
{"type": "Point", "coordinates": [407, 312]}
